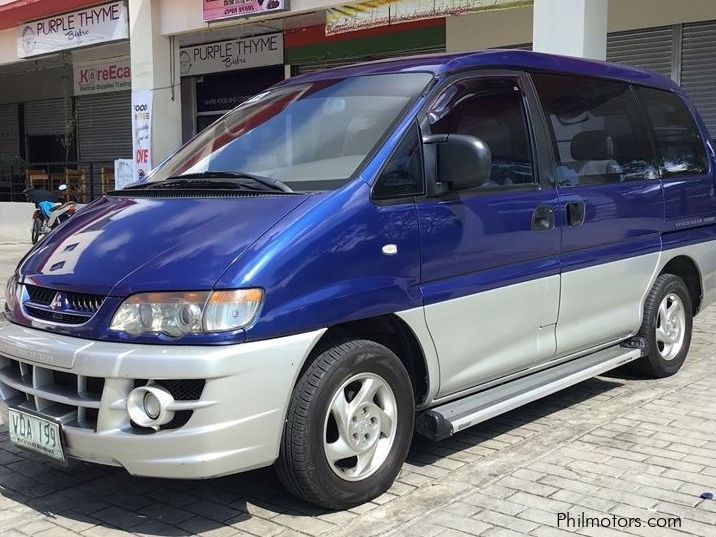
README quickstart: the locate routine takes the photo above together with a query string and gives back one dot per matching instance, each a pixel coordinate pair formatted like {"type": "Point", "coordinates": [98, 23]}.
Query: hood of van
{"type": "Point", "coordinates": [122, 245]}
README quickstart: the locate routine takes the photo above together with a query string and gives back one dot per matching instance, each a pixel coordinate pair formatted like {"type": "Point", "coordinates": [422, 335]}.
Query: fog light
{"type": "Point", "coordinates": [150, 406]}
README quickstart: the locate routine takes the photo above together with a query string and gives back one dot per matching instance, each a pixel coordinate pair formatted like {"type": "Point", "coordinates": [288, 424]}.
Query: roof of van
{"type": "Point", "coordinates": [443, 64]}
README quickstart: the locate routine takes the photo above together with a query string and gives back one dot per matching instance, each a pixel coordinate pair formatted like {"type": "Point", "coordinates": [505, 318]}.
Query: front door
{"type": "Point", "coordinates": [490, 255]}
{"type": "Point", "coordinates": [612, 206]}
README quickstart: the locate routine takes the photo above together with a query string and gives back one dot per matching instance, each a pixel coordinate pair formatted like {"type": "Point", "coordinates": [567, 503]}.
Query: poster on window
{"type": "Point", "coordinates": [226, 9]}
{"type": "Point", "coordinates": [123, 173]}
{"type": "Point", "coordinates": [142, 133]}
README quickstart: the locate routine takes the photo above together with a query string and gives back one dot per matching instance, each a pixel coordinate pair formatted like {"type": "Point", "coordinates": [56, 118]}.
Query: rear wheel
{"type": "Point", "coordinates": [666, 328]}
{"type": "Point", "coordinates": [36, 230]}
{"type": "Point", "coordinates": [349, 426]}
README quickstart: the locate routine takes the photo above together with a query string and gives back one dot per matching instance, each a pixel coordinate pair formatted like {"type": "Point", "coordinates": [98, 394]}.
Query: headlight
{"type": "Point", "coordinates": [178, 314]}
{"type": "Point", "coordinates": [11, 292]}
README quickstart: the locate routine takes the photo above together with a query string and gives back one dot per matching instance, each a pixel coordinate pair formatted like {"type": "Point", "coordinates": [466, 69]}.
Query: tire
{"type": "Point", "coordinates": [366, 387]}
{"type": "Point", "coordinates": [666, 344]}
{"type": "Point", "coordinates": [36, 229]}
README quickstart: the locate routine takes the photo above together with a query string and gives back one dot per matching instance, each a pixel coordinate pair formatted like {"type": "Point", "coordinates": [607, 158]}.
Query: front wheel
{"type": "Point", "coordinates": [36, 230]}
{"type": "Point", "coordinates": [666, 327]}
{"type": "Point", "coordinates": [349, 426]}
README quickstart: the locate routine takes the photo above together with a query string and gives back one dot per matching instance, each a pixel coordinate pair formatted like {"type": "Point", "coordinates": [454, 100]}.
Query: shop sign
{"type": "Point", "coordinates": [142, 133]}
{"type": "Point", "coordinates": [226, 9]}
{"type": "Point", "coordinates": [363, 15]}
{"type": "Point", "coordinates": [103, 76]}
{"type": "Point", "coordinates": [246, 53]}
{"type": "Point", "coordinates": [98, 24]}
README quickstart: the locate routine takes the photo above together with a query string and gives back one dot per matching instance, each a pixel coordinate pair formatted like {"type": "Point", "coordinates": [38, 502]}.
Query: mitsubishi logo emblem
{"type": "Point", "coordinates": [56, 303]}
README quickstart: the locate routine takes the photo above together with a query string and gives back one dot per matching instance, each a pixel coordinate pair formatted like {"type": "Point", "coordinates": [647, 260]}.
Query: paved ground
{"type": "Point", "coordinates": [615, 447]}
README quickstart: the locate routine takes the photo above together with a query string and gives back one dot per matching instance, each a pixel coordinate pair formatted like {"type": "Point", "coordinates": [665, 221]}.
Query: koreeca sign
{"type": "Point", "coordinates": [246, 53]}
{"type": "Point", "coordinates": [98, 24]}
{"type": "Point", "coordinates": [102, 76]}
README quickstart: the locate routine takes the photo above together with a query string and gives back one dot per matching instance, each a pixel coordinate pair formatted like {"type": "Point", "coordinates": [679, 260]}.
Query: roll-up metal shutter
{"type": "Point", "coordinates": [698, 68]}
{"type": "Point", "coordinates": [650, 48]}
{"type": "Point", "coordinates": [105, 126]}
{"type": "Point", "coordinates": [47, 117]}
{"type": "Point", "coordinates": [9, 131]}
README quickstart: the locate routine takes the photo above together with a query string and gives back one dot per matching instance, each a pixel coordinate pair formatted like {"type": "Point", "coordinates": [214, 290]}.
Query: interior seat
{"type": "Point", "coordinates": [593, 154]}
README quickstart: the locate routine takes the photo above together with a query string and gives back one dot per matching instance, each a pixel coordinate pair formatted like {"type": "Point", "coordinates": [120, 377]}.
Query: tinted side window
{"type": "Point", "coordinates": [597, 132]}
{"type": "Point", "coordinates": [403, 174]}
{"type": "Point", "coordinates": [491, 109]}
{"type": "Point", "coordinates": [677, 138]}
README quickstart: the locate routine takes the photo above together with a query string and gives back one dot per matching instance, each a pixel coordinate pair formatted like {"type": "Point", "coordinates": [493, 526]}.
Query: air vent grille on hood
{"type": "Point", "coordinates": [189, 193]}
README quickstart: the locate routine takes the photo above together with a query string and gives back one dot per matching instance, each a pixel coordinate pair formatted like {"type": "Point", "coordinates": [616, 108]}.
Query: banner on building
{"type": "Point", "coordinates": [142, 133]}
{"type": "Point", "coordinates": [232, 54]}
{"type": "Point", "coordinates": [98, 24]}
{"type": "Point", "coordinates": [102, 76]}
{"type": "Point", "coordinates": [363, 15]}
{"type": "Point", "coordinates": [226, 9]}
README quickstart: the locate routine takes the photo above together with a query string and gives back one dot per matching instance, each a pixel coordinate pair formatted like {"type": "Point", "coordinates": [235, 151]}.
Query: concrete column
{"type": "Point", "coordinates": [155, 67]}
{"type": "Point", "coordinates": [571, 28]}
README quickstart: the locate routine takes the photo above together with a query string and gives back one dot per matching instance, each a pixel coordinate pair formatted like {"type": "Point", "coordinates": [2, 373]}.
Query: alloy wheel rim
{"type": "Point", "coordinates": [670, 327]}
{"type": "Point", "coordinates": [360, 426]}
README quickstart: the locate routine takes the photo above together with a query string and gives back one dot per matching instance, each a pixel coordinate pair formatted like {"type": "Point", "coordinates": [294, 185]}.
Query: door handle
{"type": "Point", "coordinates": [575, 213]}
{"type": "Point", "coordinates": [543, 218]}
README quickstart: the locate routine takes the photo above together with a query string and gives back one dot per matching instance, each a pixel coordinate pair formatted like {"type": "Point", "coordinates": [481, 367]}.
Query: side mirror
{"type": "Point", "coordinates": [462, 161]}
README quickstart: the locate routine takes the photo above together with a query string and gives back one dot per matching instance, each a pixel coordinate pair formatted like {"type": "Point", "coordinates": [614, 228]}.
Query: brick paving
{"type": "Point", "coordinates": [611, 446]}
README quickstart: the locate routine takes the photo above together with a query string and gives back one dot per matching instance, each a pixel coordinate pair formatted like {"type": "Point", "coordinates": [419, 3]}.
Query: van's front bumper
{"type": "Point", "coordinates": [235, 424]}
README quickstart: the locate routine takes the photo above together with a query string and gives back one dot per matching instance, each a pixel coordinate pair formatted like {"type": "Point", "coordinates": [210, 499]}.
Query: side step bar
{"type": "Point", "coordinates": [445, 420]}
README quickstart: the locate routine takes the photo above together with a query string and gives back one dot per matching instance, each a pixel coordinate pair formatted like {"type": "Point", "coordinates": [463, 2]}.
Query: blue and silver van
{"type": "Point", "coordinates": [421, 243]}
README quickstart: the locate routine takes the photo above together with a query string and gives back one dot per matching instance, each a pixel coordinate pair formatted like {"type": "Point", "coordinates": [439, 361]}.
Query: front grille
{"type": "Point", "coordinates": [76, 399]}
{"type": "Point", "coordinates": [41, 295]}
{"type": "Point", "coordinates": [183, 390]}
{"type": "Point", "coordinates": [71, 307]}
{"type": "Point", "coordinates": [78, 302]}
{"type": "Point", "coordinates": [72, 398]}
{"type": "Point", "coordinates": [55, 317]}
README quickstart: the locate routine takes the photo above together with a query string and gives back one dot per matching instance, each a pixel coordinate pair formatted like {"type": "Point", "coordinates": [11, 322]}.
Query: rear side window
{"type": "Point", "coordinates": [598, 135]}
{"type": "Point", "coordinates": [677, 138]}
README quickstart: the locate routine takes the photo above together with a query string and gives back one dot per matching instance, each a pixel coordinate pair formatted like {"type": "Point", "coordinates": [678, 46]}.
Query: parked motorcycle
{"type": "Point", "coordinates": [51, 209]}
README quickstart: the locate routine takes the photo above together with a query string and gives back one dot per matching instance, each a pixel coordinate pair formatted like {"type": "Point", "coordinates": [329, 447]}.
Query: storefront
{"type": "Point", "coordinates": [674, 39]}
{"type": "Point", "coordinates": [311, 49]}
{"type": "Point", "coordinates": [220, 75]}
{"type": "Point", "coordinates": [682, 52]}
{"type": "Point", "coordinates": [65, 104]}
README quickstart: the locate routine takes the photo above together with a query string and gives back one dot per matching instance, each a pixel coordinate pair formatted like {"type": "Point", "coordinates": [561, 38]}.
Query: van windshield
{"type": "Point", "coordinates": [310, 137]}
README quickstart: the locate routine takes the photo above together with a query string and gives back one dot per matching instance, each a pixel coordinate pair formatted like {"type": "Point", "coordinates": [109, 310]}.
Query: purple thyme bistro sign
{"type": "Point", "coordinates": [233, 54]}
{"type": "Point", "coordinates": [92, 25]}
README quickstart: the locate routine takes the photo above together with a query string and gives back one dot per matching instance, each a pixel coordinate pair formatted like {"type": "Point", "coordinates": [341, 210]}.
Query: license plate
{"type": "Point", "coordinates": [36, 433]}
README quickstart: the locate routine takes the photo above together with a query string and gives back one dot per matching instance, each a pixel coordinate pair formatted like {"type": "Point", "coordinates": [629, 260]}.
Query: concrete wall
{"type": "Point", "coordinates": [15, 221]}
{"type": "Point", "coordinates": [8, 46]}
{"type": "Point", "coordinates": [514, 26]}
{"type": "Point", "coordinates": [491, 29]}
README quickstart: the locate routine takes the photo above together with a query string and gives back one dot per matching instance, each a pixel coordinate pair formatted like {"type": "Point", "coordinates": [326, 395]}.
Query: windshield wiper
{"type": "Point", "coordinates": [268, 182]}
